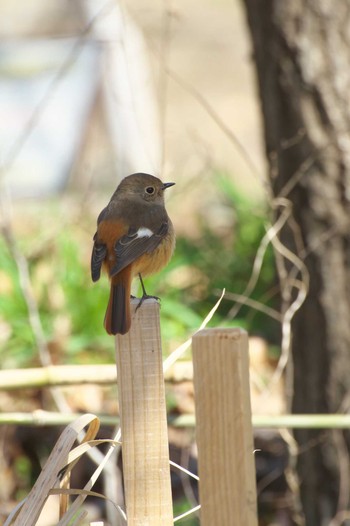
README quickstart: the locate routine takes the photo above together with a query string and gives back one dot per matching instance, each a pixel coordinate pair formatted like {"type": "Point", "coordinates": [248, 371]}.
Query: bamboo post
{"type": "Point", "coordinates": [142, 410]}
{"type": "Point", "coordinates": [227, 486]}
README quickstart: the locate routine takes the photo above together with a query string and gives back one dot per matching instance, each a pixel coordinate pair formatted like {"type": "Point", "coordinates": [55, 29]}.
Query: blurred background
{"type": "Point", "coordinates": [91, 91]}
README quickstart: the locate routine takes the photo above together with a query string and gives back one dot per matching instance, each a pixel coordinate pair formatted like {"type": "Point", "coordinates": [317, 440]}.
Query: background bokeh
{"type": "Point", "coordinates": [91, 91]}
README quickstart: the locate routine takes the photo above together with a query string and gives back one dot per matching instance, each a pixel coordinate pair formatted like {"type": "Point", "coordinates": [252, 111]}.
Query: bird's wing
{"type": "Point", "coordinates": [98, 255]}
{"type": "Point", "coordinates": [135, 243]}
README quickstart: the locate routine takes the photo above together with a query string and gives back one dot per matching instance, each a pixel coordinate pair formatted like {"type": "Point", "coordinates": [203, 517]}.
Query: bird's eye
{"type": "Point", "coordinates": [150, 190]}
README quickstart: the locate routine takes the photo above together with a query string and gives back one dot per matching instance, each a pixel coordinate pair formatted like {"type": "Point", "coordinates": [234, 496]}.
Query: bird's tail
{"type": "Point", "coordinates": [118, 318]}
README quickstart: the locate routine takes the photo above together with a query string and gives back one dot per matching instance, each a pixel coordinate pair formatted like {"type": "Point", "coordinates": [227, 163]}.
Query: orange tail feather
{"type": "Point", "coordinates": [118, 317]}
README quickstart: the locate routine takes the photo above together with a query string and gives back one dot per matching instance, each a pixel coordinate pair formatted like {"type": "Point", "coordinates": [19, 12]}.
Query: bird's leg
{"type": "Point", "coordinates": [145, 296]}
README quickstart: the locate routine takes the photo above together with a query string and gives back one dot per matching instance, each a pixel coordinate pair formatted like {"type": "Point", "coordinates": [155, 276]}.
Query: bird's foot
{"type": "Point", "coordinates": [146, 297]}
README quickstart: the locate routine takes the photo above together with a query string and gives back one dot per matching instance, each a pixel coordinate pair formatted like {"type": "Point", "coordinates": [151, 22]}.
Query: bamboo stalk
{"type": "Point", "coordinates": [227, 485]}
{"type": "Point", "coordinates": [40, 418]}
{"type": "Point", "coordinates": [50, 418]}
{"type": "Point", "coordinates": [66, 375]}
{"type": "Point", "coordinates": [143, 420]}
{"type": "Point", "coordinates": [57, 375]}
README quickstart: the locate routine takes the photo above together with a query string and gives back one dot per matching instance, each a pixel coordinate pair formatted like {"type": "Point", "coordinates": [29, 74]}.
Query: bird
{"type": "Point", "coordinates": [134, 237]}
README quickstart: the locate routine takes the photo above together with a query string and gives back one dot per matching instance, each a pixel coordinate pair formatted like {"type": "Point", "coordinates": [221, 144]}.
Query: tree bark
{"type": "Point", "coordinates": [302, 55]}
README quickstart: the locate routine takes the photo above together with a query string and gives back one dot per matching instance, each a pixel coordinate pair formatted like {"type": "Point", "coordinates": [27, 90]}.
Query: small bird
{"type": "Point", "coordinates": [134, 236]}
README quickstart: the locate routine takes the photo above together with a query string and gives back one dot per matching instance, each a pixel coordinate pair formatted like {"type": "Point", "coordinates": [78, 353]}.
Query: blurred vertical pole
{"type": "Point", "coordinates": [131, 113]}
{"type": "Point", "coordinates": [227, 487]}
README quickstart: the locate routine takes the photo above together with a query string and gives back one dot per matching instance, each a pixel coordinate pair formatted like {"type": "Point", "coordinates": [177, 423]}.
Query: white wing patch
{"type": "Point", "coordinates": [144, 232]}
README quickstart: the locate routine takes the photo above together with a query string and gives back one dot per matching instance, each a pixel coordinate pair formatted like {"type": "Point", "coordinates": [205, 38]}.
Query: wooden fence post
{"type": "Point", "coordinates": [142, 410]}
{"type": "Point", "coordinates": [227, 486]}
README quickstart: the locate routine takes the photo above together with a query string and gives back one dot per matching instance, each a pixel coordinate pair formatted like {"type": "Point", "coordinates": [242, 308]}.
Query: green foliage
{"type": "Point", "coordinates": [219, 258]}
{"type": "Point", "coordinates": [182, 506]}
{"type": "Point", "coordinates": [85, 301]}
{"type": "Point", "coordinates": [22, 470]}
{"type": "Point", "coordinates": [72, 308]}
{"type": "Point", "coordinates": [16, 339]}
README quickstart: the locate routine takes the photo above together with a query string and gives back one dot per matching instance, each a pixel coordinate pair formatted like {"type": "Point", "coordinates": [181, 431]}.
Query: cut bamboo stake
{"type": "Point", "coordinates": [227, 485]}
{"type": "Point", "coordinates": [143, 420]}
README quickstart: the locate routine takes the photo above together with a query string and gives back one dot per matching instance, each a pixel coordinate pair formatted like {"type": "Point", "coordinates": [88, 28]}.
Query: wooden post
{"type": "Point", "coordinates": [227, 486]}
{"type": "Point", "coordinates": [142, 410]}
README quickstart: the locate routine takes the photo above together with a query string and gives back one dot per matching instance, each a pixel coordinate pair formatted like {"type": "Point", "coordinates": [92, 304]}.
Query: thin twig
{"type": "Point", "coordinates": [259, 257]}
{"type": "Point", "coordinates": [28, 295]}
{"type": "Point", "coordinates": [257, 305]}
{"type": "Point", "coordinates": [190, 89]}
{"type": "Point", "coordinates": [344, 469]}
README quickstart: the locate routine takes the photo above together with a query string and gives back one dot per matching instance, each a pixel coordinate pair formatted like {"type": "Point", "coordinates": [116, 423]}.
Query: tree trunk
{"type": "Point", "coordinates": [302, 54]}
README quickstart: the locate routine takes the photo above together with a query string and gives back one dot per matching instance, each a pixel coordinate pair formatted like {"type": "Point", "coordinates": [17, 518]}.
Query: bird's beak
{"type": "Point", "coordinates": [167, 185]}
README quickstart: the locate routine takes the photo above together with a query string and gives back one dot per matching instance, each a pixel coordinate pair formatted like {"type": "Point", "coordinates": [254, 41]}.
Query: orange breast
{"type": "Point", "coordinates": [109, 232]}
{"type": "Point", "coordinates": [151, 263]}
